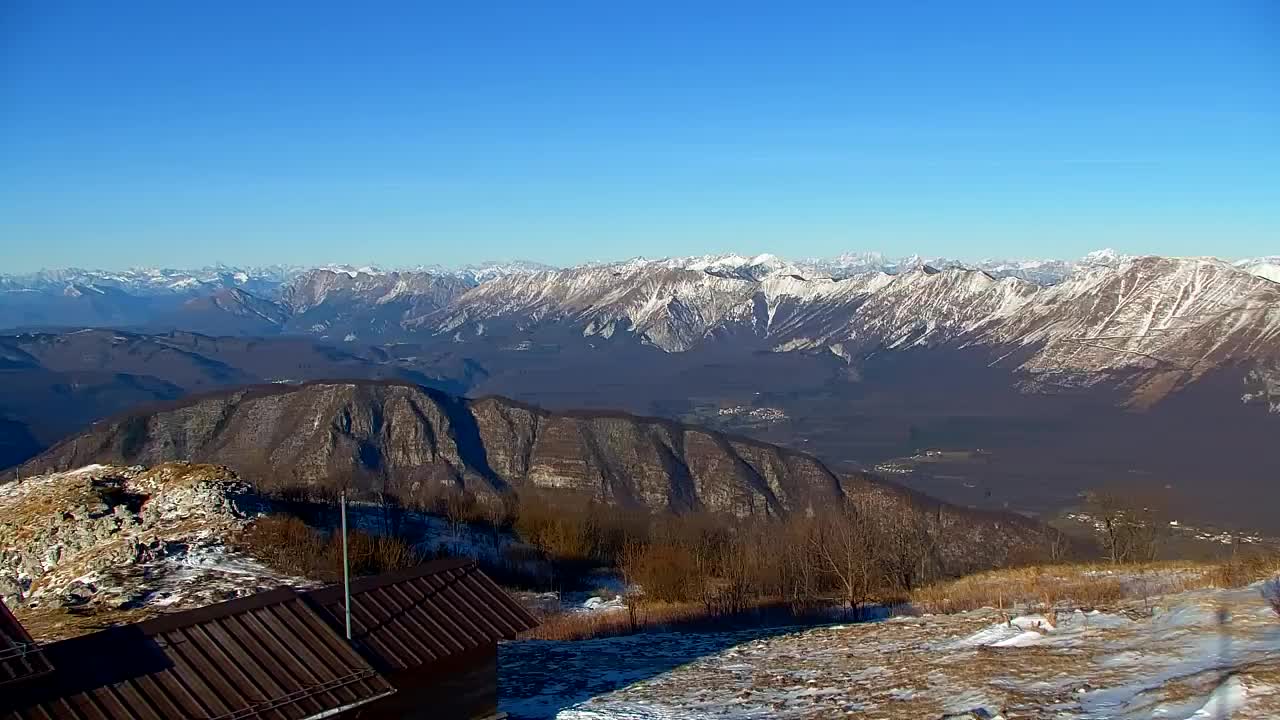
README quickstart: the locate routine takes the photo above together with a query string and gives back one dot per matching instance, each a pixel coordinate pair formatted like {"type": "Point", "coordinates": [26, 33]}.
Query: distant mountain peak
{"type": "Point", "coordinates": [1106, 256]}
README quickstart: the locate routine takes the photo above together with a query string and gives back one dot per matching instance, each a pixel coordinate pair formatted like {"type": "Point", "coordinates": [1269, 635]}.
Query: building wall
{"type": "Point", "coordinates": [462, 687]}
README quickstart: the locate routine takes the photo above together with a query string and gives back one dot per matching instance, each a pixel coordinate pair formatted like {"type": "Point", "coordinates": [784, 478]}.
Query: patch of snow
{"type": "Point", "coordinates": [74, 539]}
{"type": "Point", "coordinates": [1224, 701]}
{"type": "Point", "coordinates": [1175, 663]}
{"type": "Point", "coordinates": [597, 603]}
{"type": "Point", "coordinates": [1026, 638]}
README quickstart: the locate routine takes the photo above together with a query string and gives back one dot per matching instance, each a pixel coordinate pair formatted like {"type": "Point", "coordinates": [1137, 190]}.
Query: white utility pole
{"type": "Point", "coordinates": [346, 568]}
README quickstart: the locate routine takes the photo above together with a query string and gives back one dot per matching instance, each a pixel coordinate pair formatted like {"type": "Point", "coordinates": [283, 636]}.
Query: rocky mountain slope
{"type": "Point", "coordinates": [1175, 316]}
{"type": "Point", "coordinates": [346, 306]}
{"type": "Point", "coordinates": [1178, 317]}
{"type": "Point", "coordinates": [405, 439]}
{"type": "Point", "coordinates": [111, 543]}
{"type": "Point", "coordinates": [231, 311]}
{"type": "Point", "coordinates": [676, 308]}
{"type": "Point", "coordinates": [1105, 313]}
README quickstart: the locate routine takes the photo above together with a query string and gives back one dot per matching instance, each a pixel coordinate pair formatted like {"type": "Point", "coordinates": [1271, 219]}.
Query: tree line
{"type": "Point", "coordinates": [875, 545]}
{"type": "Point", "coordinates": [868, 548]}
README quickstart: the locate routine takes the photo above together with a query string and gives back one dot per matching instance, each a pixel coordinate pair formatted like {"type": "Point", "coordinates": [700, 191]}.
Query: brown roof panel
{"type": "Point", "coordinates": [424, 614]}
{"type": "Point", "coordinates": [20, 657]}
{"type": "Point", "coordinates": [266, 656]}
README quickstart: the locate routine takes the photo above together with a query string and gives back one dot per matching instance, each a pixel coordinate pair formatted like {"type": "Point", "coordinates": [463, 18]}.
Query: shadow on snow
{"type": "Point", "coordinates": [539, 678]}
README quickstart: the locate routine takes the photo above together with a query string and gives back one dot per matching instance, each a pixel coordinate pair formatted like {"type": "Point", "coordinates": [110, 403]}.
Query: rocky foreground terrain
{"type": "Point", "coordinates": [104, 544]}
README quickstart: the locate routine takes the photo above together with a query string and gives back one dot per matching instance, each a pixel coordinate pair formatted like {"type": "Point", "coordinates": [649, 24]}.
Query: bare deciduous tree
{"type": "Point", "coordinates": [1132, 527]}
{"type": "Point", "coordinates": [844, 545]}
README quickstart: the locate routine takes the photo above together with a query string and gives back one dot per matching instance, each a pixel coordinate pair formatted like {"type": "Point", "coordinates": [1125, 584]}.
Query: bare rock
{"type": "Point", "coordinates": [60, 529]}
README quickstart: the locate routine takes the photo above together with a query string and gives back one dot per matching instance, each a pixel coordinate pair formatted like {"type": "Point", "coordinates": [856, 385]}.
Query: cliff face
{"type": "Point", "coordinates": [370, 433]}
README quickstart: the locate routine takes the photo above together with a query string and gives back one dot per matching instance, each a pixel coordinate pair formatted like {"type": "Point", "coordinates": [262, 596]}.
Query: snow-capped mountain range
{"type": "Point", "coordinates": [1072, 321]}
{"type": "Point", "coordinates": [1182, 316]}
{"type": "Point", "coordinates": [265, 281]}
{"type": "Point", "coordinates": [155, 281]}
{"type": "Point", "coordinates": [269, 280]}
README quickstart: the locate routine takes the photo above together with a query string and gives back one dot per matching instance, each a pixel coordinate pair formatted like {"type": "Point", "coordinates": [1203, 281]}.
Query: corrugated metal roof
{"type": "Point", "coordinates": [424, 614]}
{"type": "Point", "coordinates": [266, 656]}
{"type": "Point", "coordinates": [20, 658]}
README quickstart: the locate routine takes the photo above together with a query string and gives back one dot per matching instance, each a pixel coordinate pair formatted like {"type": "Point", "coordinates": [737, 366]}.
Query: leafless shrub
{"type": "Point", "coordinates": [1134, 526]}
{"type": "Point", "coordinates": [290, 545]}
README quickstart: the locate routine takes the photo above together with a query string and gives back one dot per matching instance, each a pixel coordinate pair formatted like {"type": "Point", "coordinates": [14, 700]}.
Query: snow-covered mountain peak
{"type": "Point", "coordinates": [354, 272]}
{"type": "Point", "coordinates": [1263, 267]}
{"type": "Point", "coordinates": [1107, 257]}
{"type": "Point", "coordinates": [493, 269]}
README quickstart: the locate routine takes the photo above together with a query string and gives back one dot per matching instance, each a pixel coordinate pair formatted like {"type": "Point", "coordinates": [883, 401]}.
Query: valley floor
{"type": "Point", "coordinates": [1178, 659]}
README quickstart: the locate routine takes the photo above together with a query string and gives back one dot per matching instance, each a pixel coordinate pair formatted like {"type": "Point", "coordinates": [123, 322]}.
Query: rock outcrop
{"type": "Point", "coordinates": [110, 538]}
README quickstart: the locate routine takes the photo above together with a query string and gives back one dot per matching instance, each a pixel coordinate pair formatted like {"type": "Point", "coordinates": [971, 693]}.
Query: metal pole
{"type": "Point", "coordinates": [346, 573]}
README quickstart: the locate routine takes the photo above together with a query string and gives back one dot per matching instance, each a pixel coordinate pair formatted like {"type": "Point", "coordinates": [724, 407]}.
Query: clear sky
{"type": "Point", "coordinates": [180, 133]}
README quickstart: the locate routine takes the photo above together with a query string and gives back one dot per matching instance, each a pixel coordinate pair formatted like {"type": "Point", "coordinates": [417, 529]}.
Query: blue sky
{"type": "Point", "coordinates": [183, 134]}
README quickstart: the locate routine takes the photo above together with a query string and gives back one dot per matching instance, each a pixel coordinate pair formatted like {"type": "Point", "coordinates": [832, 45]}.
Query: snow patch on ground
{"type": "Point", "coordinates": [104, 544]}
{"type": "Point", "coordinates": [1198, 654]}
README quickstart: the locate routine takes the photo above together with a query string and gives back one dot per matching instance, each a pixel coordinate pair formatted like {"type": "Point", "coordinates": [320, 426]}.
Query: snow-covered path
{"type": "Point", "coordinates": [1179, 662]}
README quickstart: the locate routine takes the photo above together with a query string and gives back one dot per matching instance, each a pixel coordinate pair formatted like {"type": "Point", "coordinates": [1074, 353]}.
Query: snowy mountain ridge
{"type": "Point", "coordinates": [1063, 323]}
{"type": "Point", "coordinates": [267, 280]}
{"type": "Point", "coordinates": [1266, 267]}
{"type": "Point", "coordinates": [1154, 314]}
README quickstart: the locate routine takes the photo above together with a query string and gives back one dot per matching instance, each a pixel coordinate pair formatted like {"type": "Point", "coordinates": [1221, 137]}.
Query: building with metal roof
{"type": "Point", "coordinates": [265, 656]}
{"type": "Point", "coordinates": [433, 630]}
{"type": "Point", "coordinates": [20, 657]}
{"type": "Point", "coordinates": [425, 614]}
{"type": "Point", "coordinates": [424, 644]}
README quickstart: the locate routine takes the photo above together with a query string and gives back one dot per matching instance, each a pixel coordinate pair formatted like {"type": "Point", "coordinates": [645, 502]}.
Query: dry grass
{"type": "Point", "coordinates": [50, 624]}
{"type": "Point", "coordinates": [28, 508]}
{"type": "Point", "coordinates": [1089, 585]}
{"type": "Point", "coordinates": [1044, 588]}
{"type": "Point", "coordinates": [1020, 587]}
{"type": "Point", "coordinates": [175, 475]}
{"type": "Point", "coordinates": [1246, 568]}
